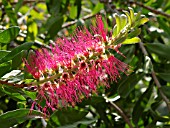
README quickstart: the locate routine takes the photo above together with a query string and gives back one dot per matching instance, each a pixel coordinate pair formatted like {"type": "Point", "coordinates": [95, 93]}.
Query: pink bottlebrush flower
{"type": "Point", "coordinates": [73, 69]}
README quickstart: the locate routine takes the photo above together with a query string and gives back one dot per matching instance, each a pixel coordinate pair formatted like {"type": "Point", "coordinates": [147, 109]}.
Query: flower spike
{"type": "Point", "coordinates": [73, 69]}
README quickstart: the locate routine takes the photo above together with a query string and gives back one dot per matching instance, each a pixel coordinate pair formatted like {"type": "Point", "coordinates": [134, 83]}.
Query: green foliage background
{"type": "Point", "coordinates": [28, 25]}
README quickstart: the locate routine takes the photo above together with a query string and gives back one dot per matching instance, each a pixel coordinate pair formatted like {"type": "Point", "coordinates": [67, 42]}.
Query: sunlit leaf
{"type": "Point", "coordinates": [73, 12]}
{"type": "Point", "coordinates": [118, 23]}
{"type": "Point", "coordinates": [97, 8]}
{"type": "Point", "coordinates": [129, 18]}
{"type": "Point", "coordinates": [132, 40]}
{"type": "Point", "coordinates": [123, 20]}
{"type": "Point", "coordinates": [13, 92]}
{"type": "Point", "coordinates": [131, 14]}
{"type": "Point", "coordinates": [32, 30]}
{"type": "Point", "coordinates": [143, 21]}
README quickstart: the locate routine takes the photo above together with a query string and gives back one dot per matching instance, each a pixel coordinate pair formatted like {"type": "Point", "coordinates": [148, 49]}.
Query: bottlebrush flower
{"type": "Point", "coordinates": [73, 69]}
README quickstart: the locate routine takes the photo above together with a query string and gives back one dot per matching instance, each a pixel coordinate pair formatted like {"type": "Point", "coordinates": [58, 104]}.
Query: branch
{"type": "Point", "coordinates": [155, 78]}
{"type": "Point", "coordinates": [126, 119]}
{"type": "Point", "coordinates": [150, 9]}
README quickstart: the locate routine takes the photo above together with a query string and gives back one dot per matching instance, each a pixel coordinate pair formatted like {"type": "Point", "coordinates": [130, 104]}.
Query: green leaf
{"type": "Point", "coordinates": [74, 125]}
{"type": "Point", "coordinates": [94, 100]}
{"type": "Point", "coordinates": [138, 16]}
{"type": "Point", "coordinates": [134, 33]}
{"type": "Point", "coordinates": [129, 18]}
{"type": "Point", "coordinates": [73, 12]}
{"type": "Point", "coordinates": [79, 4]}
{"type": "Point", "coordinates": [118, 23]}
{"type": "Point", "coordinates": [53, 6]}
{"type": "Point", "coordinates": [132, 40]}
{"type": "Point", "coordinates": [166, 90]}
{"type": "Point", "coordinates": [17, 60]}
{"type": "Point", "coordinates": [131, 14]}
{"type": "Point", "coordinates": [141, 21]}
{"type": "Point", "coordinates": [53, 25]}
{"type": "Point", "coordinates": [16, 51]}
{"type": "Point", "coordinates": [18, 116]}
{"type": "Point", "coordinates": [159, 49]}
{"type": "Point", "coordinates": [99, 6]}
{"type": "Point", "coordinates": [13, 92]}
{"type": "Point", "coordinates": [18, 5]}
{"type": "Point", "coordinates": [127, 85]}
{"type": "Point", "coordinates": [119, 40]}
{"type": "Point", "coordinates": [9, 34]}
{"type": "Point", "coordinates": [4, 68]}
{"type": "Point", "coordinates": [66, 117]}
{"type": "Point", "coordinates": [158, 117]}
{"type": "Point", "coordinates": [164, 25]}
{"type": "Point", "coordinates": [3, 53]}
{"type": "Point", "coordinates": [141, 105]}
{"type": "Point", "coordinates": [123, 21]}
{"type": "Point", "coordinates": [10, 12]}
{"type": "Point", "coordinates": [32, 30]}
{"type": "Point", "coordinates": [164, 76]}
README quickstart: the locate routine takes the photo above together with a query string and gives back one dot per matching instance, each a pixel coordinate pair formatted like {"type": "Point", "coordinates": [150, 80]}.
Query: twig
{"type": "Point", "coordinates": [150, 9]}
{"type": "Point", "coordinates": [68, 24]}
{"type": "Point", "coordinates": [121, 113]}
{"type": "Point", "coordinates": [155, 78]}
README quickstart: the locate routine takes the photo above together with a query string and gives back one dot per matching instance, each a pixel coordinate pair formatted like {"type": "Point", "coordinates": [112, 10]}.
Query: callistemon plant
{"type": "Point", "coordinates": [74, 68]}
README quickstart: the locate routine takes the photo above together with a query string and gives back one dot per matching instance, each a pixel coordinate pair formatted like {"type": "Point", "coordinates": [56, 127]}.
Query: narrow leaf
{"type": "Point", "coordinates": [129, 18]}
{"type": "Point", "coordinates": [141, 105]}
{"type": "Point", "coordinates": [97, 8]}
{"type": "Point", "coordinates": [134, 33]}
{"type": "Point", "coordinates": [131, 14]}
{"type": "Point", "coordinates": [16, 51]}
{"type": "Point", "coordinates": [18, 116]}
{"type": "Point", "coordinates": [10, 12]}
{"type": "Point", "coordinates": [137, 16]}
{"type": "Point", "coordinates": [127, 85]}
{"type": "Point", "coordinates": [123, 20]}
{"type": "Point", "coordinates": [9, 34]}
{"type": "Point", "coordinates": [164, 76]}
{"type": "Point", "coordinates": [143, 21]}
{"type": "Point", "coordinates": [159, 49]}
{"type": "Point", "coordinates": [3, 53]}
{"type": "Point", "coordinates": [65, 117]}
{"type": "Point", "coordinates": [132, 40]}
{"type": "Point", "coordinates": [118, 23]}
{"type": "Point", "coordinates": [4, 68]}
{"type": "Point", "coordinates": [166, 90]}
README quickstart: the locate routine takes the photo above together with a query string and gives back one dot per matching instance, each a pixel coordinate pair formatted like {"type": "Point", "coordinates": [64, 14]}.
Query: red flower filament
{"type": "Point", "coordinates": [79, 65]}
